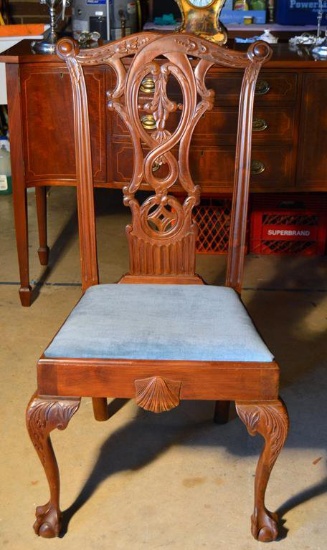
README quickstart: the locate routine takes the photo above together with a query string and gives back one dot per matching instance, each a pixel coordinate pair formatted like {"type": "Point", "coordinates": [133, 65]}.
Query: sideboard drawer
{"type": "Point", "coordinates": [216, 126]}
{"type": "Point", "coordinates": [219, 126]}
{"type": "Point", "coordinates": [227, 85]}
{"type": "Point", "coordinates": [272, 168]}
{"type": "Point", "coordinates": [276, 87]}
{"type": "Point", "coordinates": [271, 86]}
{"type": "Point", "coordinates": [213, 167]}
{"type": "Point", "coordinates": [277, 124]}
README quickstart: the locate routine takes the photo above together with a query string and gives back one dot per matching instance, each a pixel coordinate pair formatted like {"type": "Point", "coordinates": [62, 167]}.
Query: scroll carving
{"type": "Point", "coordinates": [157, 394]}
{"type": "Point", "coordinates": [269, 419]}
{"type": "Point", "coordinates": [43, 416]}
{"type": "Point", "coordinates": [161, 155]}
{"type": "Point", "coordinates": [162, 232]}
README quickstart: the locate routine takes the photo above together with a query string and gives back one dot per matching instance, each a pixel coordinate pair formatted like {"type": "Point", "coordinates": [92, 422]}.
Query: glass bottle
{"type": "Point", "coordinates": [258, 4]}
{"type": "Point", "coordinates": [241, 5]}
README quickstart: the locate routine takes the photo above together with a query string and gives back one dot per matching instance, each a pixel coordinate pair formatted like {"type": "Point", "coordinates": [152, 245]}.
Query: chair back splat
{"type": "Point", "coordinates": [181, 340]}
{"type": "Point", "coordinates": [162, 233]}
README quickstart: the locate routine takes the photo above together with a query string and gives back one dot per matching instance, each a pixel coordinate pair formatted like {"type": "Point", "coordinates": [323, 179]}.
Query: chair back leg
{"type": "Point", "coordinates": [100, 408]}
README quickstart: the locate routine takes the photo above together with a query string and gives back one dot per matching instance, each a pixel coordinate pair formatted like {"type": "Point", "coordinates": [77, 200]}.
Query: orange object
{"type": "Point", "coordinates": [32, 29]}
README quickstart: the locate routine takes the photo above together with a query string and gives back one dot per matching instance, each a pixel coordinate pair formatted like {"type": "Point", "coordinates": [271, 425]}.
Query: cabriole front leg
{"type": "Point", "coordinates": [42, 416]}
{"type": "Point", "coordinates": [269, 419]}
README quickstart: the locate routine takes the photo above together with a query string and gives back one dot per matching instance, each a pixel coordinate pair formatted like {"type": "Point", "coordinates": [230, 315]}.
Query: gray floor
{"type": "Point", "coordinates": [176, 480]}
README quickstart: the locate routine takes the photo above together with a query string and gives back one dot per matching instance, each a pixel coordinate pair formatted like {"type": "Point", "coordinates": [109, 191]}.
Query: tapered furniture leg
{"type": "Point", "coordinates": [269, 419]}
{"type": "Point", "coordinates": [17, 141]}
{"type": "Point", "coordinates": [42, 416]}
{"type": "Point", "coordinates": [41, 210]}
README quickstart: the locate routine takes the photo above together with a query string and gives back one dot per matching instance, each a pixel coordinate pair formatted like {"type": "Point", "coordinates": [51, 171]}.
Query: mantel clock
{"type": "Point", "coordinates": [201, 17]}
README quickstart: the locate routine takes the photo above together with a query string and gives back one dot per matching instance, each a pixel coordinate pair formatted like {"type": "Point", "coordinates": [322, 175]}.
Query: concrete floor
{"type": "Point", "coordinates": [176, 480]}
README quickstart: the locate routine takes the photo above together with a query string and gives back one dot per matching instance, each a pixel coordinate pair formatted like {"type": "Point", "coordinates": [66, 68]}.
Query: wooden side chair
{"type": "Point", "coordinates": [161, 335]}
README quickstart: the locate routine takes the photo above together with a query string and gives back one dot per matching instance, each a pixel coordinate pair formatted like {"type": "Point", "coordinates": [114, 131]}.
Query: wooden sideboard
{"type": "Point", "coordinates": [289, 134]}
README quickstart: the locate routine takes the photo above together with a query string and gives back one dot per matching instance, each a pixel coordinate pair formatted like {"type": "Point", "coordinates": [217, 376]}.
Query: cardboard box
{"type": "Point", "coordinates": [297, 12]}
{"type": "Point", "coordinates": [231, 17]}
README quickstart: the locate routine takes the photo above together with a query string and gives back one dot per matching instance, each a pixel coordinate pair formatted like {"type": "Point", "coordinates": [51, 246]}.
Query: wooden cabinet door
{"type": "Point", "coordinates": [312, 156]}
{"type": "Point", "coordinates": [48, 124]}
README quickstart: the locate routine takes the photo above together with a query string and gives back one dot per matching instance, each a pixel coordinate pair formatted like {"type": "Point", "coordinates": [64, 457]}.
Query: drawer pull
{"type": "Point", "coordinates": [148, 122]}
{"type": "Point", "coordinates": [259, 125]}
{"type": "Point", "coordinates": [262, 87]}
{"type": "Point", "coordinates": [257, 167]}
{"type": "Point", "coordinates": [156, 166]}
{"type": "Point", "coordinates": [147, 85]}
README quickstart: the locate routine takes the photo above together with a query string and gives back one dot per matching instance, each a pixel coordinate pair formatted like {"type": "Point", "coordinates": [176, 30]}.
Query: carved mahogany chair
{"type": "Point", "coordinates": [161, 335]}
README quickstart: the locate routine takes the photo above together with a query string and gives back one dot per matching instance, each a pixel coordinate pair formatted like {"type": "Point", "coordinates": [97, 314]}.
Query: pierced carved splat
{"type": "Point", "coordinates": [157, 394]}
{"type": "Point", "coordinates": [162, 234]}
{"type": "Point", "coordinates": [43, 416]}
{"type": "Point", "coordinates": [269, 419]}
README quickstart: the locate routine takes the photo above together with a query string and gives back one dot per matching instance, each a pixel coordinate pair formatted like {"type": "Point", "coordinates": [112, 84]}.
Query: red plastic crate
{"type": "Point", "coordinates": [213, 220]}
{"type": "Point", "coordinates": [289, 225]}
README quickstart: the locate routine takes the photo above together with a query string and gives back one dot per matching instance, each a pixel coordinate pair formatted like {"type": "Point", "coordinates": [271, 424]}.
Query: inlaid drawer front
{"type": "Point", "coordinates": [271, 167]}
{"type": "Point", "coordinates": [222, 121]}
{"type": "Point", "coordinates": [276, 86]}
{"type": "Point", "coordinates": [227, 86]}
{"type": "Point", "coordinates": [271, 86]}
{"type": "Point", "coordinates": [217, 126]}
{"type": "Point", "coordinates": [273, 124]}
{"type": "Point", "coordinates": [213, 167]}
{"type": "Point", "coordinates": [220, 126]}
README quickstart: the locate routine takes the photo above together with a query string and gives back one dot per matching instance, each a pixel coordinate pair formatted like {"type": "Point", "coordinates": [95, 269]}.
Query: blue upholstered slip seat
{"type": "Point", "coordinates": [181, 322]}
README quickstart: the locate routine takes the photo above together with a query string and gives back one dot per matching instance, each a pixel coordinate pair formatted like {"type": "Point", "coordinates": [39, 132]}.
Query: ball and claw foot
{"type": "Point", "coordinates": [48, 521]}
{"type": "Point", "coordinates": [264, 526]}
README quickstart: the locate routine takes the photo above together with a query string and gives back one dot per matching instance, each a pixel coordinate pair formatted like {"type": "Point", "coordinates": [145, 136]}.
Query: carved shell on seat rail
{"type": "Point", "coordinates": [157, 394]}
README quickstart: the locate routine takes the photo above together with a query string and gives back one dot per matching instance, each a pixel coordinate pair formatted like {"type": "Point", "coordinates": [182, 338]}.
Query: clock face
{"type": "Point", "coordinates": [200, 3]}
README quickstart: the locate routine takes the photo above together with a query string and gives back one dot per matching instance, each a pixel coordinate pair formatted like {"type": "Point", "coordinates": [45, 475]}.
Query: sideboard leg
{"type": "Point", "coordinates": [21, 227]}
{"type": "Point", "coordinates": [25, 295]}
{"type": "Point", "coordinates": [41, 211]}
{"type": "Point", "coordinates": [18, 179]}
